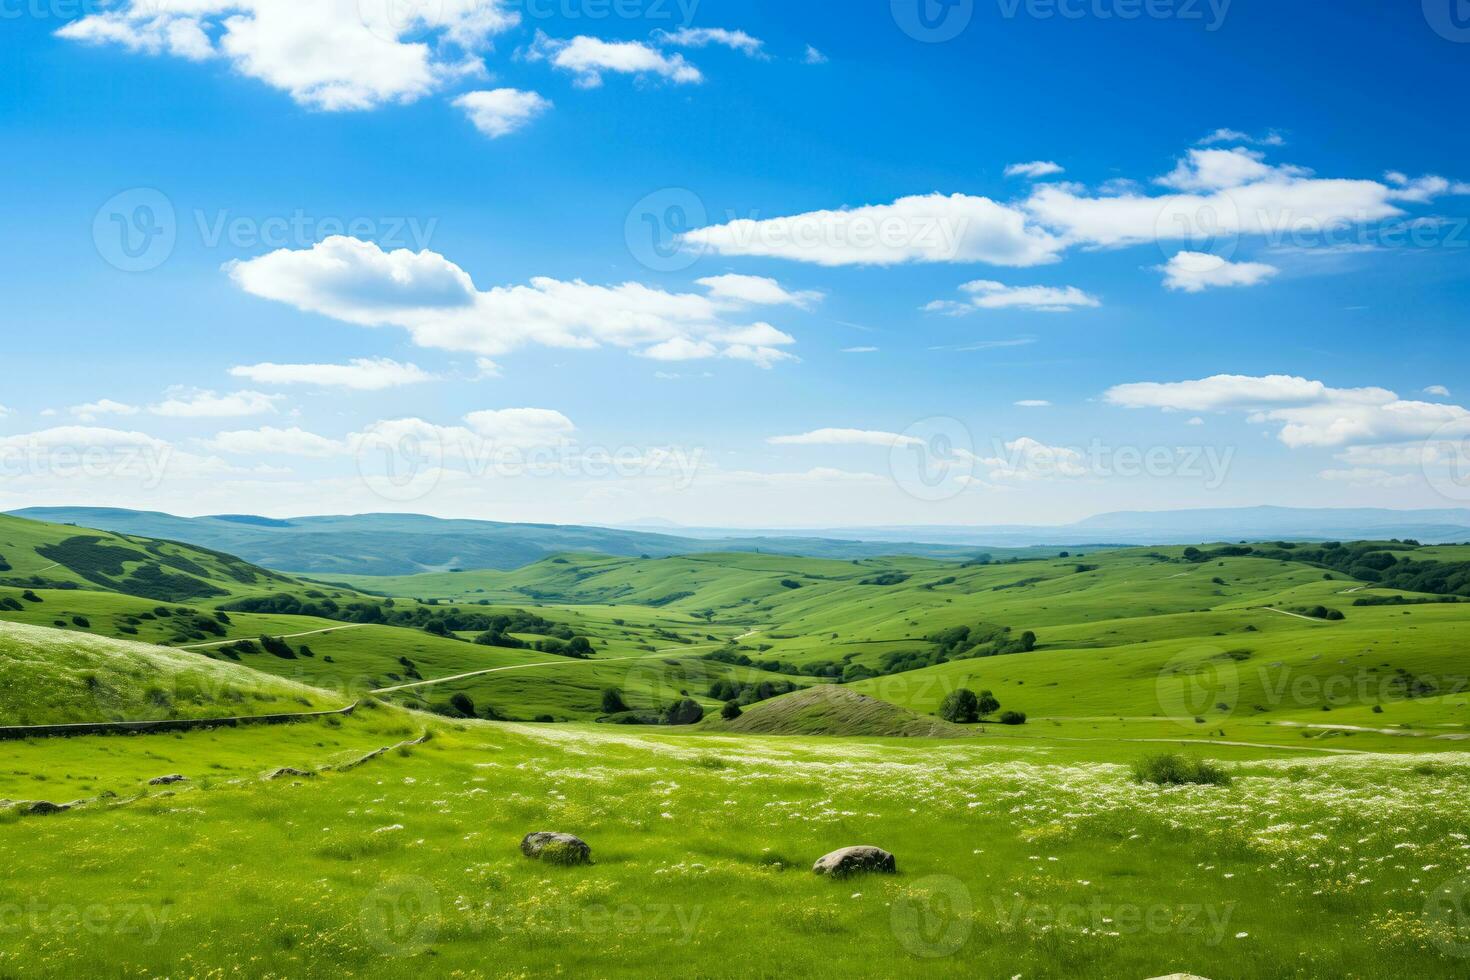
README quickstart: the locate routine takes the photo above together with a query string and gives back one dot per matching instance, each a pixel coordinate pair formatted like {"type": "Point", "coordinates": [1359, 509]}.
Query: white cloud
{"type": "Point", "coordinates": [436, 301]}
{"type": "Point", "coordinates": [703, 37]}
{"type": "Point", "coordinates": [359, 374]}
{"type": "Point", "coordinates": [500, 112]}
{"type": "Point", "coordinates": [986, 294]}
{"type": "Point", "coordinates": [1439, 390]}
{"type": "Point", "coordinates": [1307, 413]}
{"type": "Point", "coordinates": [846, 437]}
{"type": "Point", "coordinates": [927, 228]}
{"type": "Point", "coordinates": [268, 440]}
{"type": "Point", "coordinates": [813, 56]}
{"type": "Point", "coordinates": [1033, 403]}
{"type": "Point", "coordinates": [103, 406]}
{"type": "Point", "coordinates": [327, 54]}
{"type": "Point", "coordinates": [1226, 192]}
{"type": "Point", "coordinates": [1218, 393]}
{"type": "Point", "coordinates": [192, 403]}
{"type": "Point", "coordinates": [1027, 459]}
{"type": "Point", "coordinates": [859, 350]}
{"type": "Point", "coordinates": [521, 426]}
{"type": "Point", "coordinates": [757, 291]}
{"type": "Point", "coordinates": [1214, 170]}
{"type": "Point", "coordinates": [1236, 136]}
{"type": "Point", "coordinates": [1034, 169]}
{"type": "Point", "coordinates": [1195, 272]}
{"type": "Point", "coordinates": [588, 57]}
{"type": "Point", "coordinates": [1370, 478]}
{"type": "Point", "coordinates": [1421, 189]}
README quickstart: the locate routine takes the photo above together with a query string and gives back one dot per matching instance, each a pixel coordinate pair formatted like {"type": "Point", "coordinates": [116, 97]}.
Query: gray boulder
{"type": "Point", "coordinates": [290, 772]}
{"type": "Point", "coordinates": [167, 780]}
{"type": "Point", "coordinates": [557, 848]}
{"type": "Point", "coordinates": [855, 860]}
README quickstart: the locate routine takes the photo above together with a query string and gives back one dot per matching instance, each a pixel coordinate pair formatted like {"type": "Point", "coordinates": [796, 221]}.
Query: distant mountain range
{"type": "Point", "coordinates": [404, 544]}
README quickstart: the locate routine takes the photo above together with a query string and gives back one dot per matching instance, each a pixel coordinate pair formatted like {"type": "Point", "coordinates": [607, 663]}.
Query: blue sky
{"type": "Point", "coordinates": [400, 255]}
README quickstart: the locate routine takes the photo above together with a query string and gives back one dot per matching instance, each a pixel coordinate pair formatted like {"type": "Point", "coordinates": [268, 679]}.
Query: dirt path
{"type": "Point", "coordinates": [287, 636]}
{"type": "Point", "coordinates": [1283, 612]}
{"type": "Point", "coordinates": [545, 663]}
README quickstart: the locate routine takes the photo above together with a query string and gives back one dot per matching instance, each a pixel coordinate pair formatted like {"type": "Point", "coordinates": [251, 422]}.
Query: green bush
{"type": "Point", "coordinates": [960, 707]}
{"type": "Point", "coordinates": [730, 711]}
{"type": "Point", "coordinates": [1173, 769]}
{"type": "Point", "coordinates": [683, 712]}
{"type": "Point", "coordinates": [612, 702]}
{"type": "Point", "coordinates": [1013, 717]}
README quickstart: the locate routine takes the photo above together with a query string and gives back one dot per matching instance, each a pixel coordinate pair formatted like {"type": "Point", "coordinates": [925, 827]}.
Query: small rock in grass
{"type": "Point", "coordinates": [167, 780]}
{"type": "Point", "coordinates": [855, 860]}
{"type": "Point", "coordinates": [556, 848]}
{"type": "Point", "coordinates": [290, 771]}
{"type": "Point", "coordinates": [41, 807]}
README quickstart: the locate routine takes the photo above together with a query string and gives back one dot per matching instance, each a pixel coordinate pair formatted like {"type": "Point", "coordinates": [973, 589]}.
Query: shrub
{"type": "Point", "coordinates": [612, 702]}
{"type": "Point", "coordinates": [960, 707]}
{"type": "Point", "coordinates": [988, 704]}
{"type": "Point", "coordinates": [1013, 717]}
{"type": "Point", "coordinates": [1173, 769]}
{"type": "Point", "coordinates": [30, 596]}
{"type": "Point", "coordinates": [730, 711]}
{"type": "Point", "coordinates": [463, 703]}
{"type": "Point", "coordinates": [81, 621]}
{"type": "Point", "coordinates": [683, 712]}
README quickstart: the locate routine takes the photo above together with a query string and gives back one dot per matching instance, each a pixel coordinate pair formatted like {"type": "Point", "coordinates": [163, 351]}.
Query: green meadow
{"type": "Point", "coordinates": [710, 725]}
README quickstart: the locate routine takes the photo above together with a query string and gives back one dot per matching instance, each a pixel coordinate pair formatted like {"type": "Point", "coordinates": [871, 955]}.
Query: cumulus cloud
{"type": "Point", "coordinates": [1306, 413]}
{"type": "Point", "coordinates": [269, 440]}
{"type": "Point", "coordinates": [359, 374]}
{"type": "Point", "coordinates": [1194, 272]}
{"type": "Point", "coordinates": [1033, 169]}
{"type": "Point", "coordinates": [193, 403]}
{"type": "Point", "coordinates": [926, 228]}
{"type": "Point", "coordinates": [587, 58]}
{"type": "Point", "coordinates": [703, 37]}
{"type": "Point", "coordinates": [986, 294]}
{"type": "Point", "coordinates": [327, 54]}
{"type": "Point", "coordinates": [1439, 390]}
{"type": "Point", "coordinates": [439, 305]}
{"type": "Point", "coordinates": [846, 437]}
{"type": "Point", "coordinates": [813, 56]}
{"type": "Point", "coordinates": [1028, 459]}
{"type": "Point", "coordinates": [1236, 136]}
{"type": "Point", "coordinates": [90, 411]}
{"type": "Point", "coordinates": [757, 291]}
{"type": "Point", "coordinates": [500, 112]}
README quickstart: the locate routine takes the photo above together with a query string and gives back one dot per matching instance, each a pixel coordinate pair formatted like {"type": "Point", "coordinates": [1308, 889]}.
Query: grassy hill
{"type": "Point", "coordinates": [830, 710]}
{"type": "Point", "coordinates": [50, 677]}
{"type": "Point", "coordinates": [35, 554]}
{"type": "Point", "coordinates": [405, 544]}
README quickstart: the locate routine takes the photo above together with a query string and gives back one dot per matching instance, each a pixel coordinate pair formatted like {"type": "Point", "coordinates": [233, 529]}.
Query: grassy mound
{"type": "Point", "coordinates": [55, 677]}
{"type": "Point", "coordinates": [832, 710]}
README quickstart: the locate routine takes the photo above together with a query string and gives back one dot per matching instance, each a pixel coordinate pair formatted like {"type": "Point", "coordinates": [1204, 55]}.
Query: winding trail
{"type": "Point", "coordinates": [286, 636]}
{"type": "Point", "coordinates": [1320, 622]}
{"type": "Point", "coordinates": [545, 663]}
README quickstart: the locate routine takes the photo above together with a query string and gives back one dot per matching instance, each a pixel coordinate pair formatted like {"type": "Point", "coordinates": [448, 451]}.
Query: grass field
{"type": "Point", "coordinates": [1334, 843]}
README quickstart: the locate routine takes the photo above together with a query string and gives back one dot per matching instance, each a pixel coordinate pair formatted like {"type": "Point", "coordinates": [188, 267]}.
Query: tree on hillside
{"type": "Point", "coordinates": [730, 711]}
{"type": "Point", "coordinates": [987, 704]}
{"type": "Point", "coordinates": [612, 702]}
{"type": "Point", "coordinates": [462, 703]}
{"type": "Point", "coordinates": [683, 712]}
{"type": "Point", "coordinates": [960, 707]}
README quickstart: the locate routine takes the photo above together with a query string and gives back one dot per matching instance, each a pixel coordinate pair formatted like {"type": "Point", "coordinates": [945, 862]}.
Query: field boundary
{"type": "Point", "coordinates": [13, 732]}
